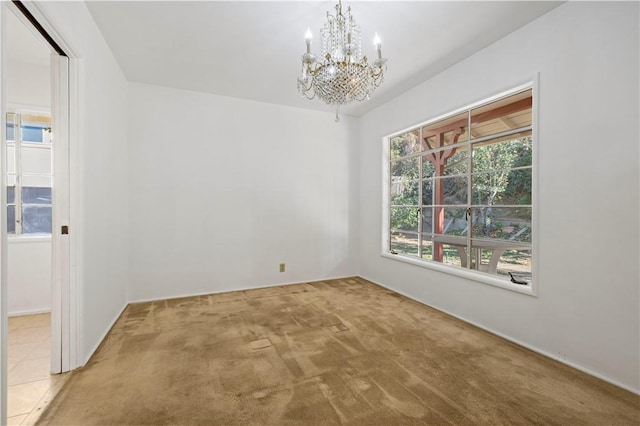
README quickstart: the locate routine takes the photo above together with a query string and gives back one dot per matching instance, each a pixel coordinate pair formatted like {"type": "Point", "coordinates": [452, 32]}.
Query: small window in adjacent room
{"type": "Point", "coordinates": [29, 160]}
{"type": "Point", "coordinates": [460, 190]}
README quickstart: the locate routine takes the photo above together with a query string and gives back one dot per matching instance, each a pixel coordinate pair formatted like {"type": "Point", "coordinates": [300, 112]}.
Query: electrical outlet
{"type": "Point", "coordinates": [282, 267]}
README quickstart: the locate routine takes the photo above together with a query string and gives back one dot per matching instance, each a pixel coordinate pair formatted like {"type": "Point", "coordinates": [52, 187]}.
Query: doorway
{"type": "Point", "coordinates": [35, 110]}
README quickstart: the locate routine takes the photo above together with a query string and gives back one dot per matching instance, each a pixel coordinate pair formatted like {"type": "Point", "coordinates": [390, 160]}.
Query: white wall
{"type": "Point", "coordinates": [223, 190]}
{"type": "Point", "coordinates": [29, 276]}
{"type": "Point", "coordinates": [28, 85]}
{"type": "Point", "coordinates": [99, 168]}
{"type": "Point", "coordinates": [587, 312]}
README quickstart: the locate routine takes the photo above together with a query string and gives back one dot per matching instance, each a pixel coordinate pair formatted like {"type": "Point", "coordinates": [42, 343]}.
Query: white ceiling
{"type": "Point", "coordinates": [252, 50]}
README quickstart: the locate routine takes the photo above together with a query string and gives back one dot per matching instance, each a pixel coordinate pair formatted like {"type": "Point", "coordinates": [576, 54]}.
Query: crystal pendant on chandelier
{"type": "Point", "coordinates": [341, 74]}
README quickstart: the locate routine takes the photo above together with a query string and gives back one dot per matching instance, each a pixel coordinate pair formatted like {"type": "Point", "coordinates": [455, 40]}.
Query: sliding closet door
{"type": "Point", "coordinates": [60, 306]}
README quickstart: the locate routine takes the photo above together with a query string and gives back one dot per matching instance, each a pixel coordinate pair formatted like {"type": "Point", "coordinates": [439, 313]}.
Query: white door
{"type": "Point", "coordinates": [60, 291]}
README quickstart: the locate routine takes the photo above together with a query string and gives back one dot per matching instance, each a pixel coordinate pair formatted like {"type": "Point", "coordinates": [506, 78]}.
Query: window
{"type": "Point", "coordinates": [460, 190]}
{"type": "Point", "coordinates": [28, 174]}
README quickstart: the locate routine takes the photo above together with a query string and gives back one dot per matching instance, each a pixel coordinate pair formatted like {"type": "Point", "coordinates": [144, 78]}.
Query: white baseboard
{"type": "Point", "coordinates": [155, 299]}
{"type": "Point", "coordinates": [518, 342]}
{"type": "Point", "coordinates": [29, 312]}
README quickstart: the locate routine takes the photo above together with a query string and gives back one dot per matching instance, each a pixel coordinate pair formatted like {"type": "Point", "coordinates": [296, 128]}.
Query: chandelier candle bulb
{"type": "Point", "coordinates": [340, 74]}
{"type": "Point", "coordinates": [307, 39]}
{"type": "Point", "coordinates": [378, 45]}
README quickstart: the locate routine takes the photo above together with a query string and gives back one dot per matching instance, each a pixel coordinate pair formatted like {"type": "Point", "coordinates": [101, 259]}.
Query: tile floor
{"type": "Point", "coordinates": [30, 386]}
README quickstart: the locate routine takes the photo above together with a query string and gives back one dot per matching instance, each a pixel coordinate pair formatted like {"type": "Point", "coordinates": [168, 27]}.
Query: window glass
{"type": "Point", "coordinates": [506, 261]}
{"type": "Point", "coordinates": [457, 163]}
{"type": "Point", "coordinates": [405, 193]}
{"type": "Point", "coordinates": [445, 132]}
{"type": "Point", "coordinates": [428, 169]}
{"type": "Point", "coordinates": [11, 219]}
{"type": "Point", "coordinates": [36, 219]}
{"type": "Point", "coordinates": [404, 170]}
{"type": "Point", "coordinates": [10, 133]}
{"type": "Point", "coordinates": [405, 183]}
{"type": "Point", "coordinates": [517, 262]}
{"type": "Point", "coordinates": [405, 218]}
{"type": "Point", "coordinates": [453, 255]}
{"type": "Point", "coordinates": [427, 247]}
{"type": "Point", "coordinates": [11, 195]}
{"type": "Point", "coordinates": [506, 187]}
{"type": "Point", "coordinates": [474, 189]}
{"type": "Point", "coordinates": [35, 128]}
{"type": "Point", "coordinates": [28, 174]}
{"type": "Point", "coordinates": [503, 115]}
{"type": "Point", "coordinates": [31, 134]}
{"type": "Point", "coordinates": [34, 195]}
{"type": "Point", "coordinates": [506, 223]}
{"type": "Point", "coordinates": [406, 144]}
{"type": "Point", "coordinates": [503, 153]}
{"type": "Point", "coordinates": [404, 242]}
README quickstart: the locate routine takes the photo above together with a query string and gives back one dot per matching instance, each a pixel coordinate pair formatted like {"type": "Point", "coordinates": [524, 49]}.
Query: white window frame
{"type": "Point", "coordinates": [17, 144]}
{"type": "Point", "coordinates": [470, 274]}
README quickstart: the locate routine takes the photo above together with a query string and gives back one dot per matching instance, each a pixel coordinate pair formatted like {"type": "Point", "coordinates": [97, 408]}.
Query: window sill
{"type": "Point", "coordinates": [465, 273]}
{"type": "Point", "coordinates": [29, 239]}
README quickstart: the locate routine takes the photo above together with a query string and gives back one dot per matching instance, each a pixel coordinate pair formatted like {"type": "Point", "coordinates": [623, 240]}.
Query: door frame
{"type": "Point", "coordinates": [3, 223]}
{"type": "Point", "coordinates": [65, 312]}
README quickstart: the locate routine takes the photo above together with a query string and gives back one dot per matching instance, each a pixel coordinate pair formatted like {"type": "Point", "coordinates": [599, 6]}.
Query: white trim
{"type": "Point", "coordinates": [27, 238]}
{"type": "Point", "coordinates": [75, 201]}
{"type": "Point", "coordinates": [157, 299]}
{"type": "Point", "coordinates": [40, 145]}
{"type": "Point", "coordinates": [4, 329]}
{"type": "Point", "coordinates": [469, 274]}
{"type": "Point", "coordinates": [29, 312]}
{"type": "Point", "coordinates": [17, 138]}
{"type": "Point", "coordinates": [535, 259]}
{"type": "Point", "coordinates": [28, 108]}
{"type": "Point", "coordinates": [386, 195]}
{"type": "Point", "coordinates": [518, 342]}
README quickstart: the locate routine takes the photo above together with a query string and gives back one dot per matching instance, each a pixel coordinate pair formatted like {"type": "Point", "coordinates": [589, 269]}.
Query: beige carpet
{"type": "Point", "coordinates": [333, 352]}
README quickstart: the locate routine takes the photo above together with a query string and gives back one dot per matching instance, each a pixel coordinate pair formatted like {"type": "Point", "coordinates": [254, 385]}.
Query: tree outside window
{"type": "Point", "coordinates": [461, 189]}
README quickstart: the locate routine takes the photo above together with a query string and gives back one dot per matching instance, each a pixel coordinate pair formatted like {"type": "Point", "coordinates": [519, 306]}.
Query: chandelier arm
{"type": "Point", "coordinates": [306, 91]}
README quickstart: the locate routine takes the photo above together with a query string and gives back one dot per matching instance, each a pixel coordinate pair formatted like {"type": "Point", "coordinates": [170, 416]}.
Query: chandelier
{"type": "Point", "coordinates": [341, 74]}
